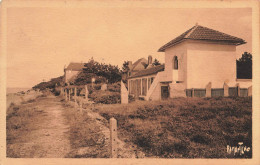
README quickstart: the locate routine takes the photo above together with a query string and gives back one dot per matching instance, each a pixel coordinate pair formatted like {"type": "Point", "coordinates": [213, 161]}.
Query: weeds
{"type": "Point", "coordinates": [185, 127]}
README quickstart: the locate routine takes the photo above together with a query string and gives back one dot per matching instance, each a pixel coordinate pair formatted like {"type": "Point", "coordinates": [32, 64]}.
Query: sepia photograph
{"type": "Point", "coordinates": [129, 79]}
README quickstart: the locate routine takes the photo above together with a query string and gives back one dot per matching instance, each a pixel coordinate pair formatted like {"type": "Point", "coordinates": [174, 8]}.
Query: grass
{"type": "Point", "coordinates": [185, 127]}
{"type": "Point", "coordinates": [19, 122]}
{"type": "Point", "coordinates": [85, 136]}
{"type": "Point", "coordinates": [105, 97]}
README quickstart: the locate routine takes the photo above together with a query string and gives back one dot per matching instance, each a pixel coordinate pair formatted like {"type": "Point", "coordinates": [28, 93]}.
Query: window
{"type": "Point", "coordinates": [175, 63]}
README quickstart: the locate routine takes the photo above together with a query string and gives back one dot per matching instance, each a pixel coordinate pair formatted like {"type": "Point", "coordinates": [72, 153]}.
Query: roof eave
{"type": "Point", "coordinates": [163, 48]}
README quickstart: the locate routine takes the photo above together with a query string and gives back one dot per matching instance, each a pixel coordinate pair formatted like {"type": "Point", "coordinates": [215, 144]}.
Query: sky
{"type": "Point", "coordinates": [41, 41]}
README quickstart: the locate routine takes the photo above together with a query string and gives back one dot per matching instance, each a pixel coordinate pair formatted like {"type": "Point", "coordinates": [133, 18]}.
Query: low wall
{"type": "Point", "coordinates": [217, 92]}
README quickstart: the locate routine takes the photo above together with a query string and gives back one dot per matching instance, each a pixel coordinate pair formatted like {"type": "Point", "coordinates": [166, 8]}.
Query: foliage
{"type": "Point", "coordinates": [93, 68]}
{"type": "Point", "coordinates": [50, 84]}
{"type": "Point", "coordinates": [125, 67]}
{"type": "Point", "coordinates": [115, 87]}
{"type": "Point", "coordinates": [86, 78]}
{"type": "Point", "coordinates": [244, 66]}
{"type": "Point", "coordinates": [105, 97]}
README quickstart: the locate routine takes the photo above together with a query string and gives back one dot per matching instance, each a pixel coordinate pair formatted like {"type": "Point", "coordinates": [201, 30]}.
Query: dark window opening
{"type": "Point", "coordinates": [175, 63]}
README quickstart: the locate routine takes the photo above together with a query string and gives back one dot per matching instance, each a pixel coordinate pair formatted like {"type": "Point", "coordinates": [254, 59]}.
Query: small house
{"type": "Point", "coordinates": [199, 58]}
{"type": "Point", "coordinates": [71, 72]}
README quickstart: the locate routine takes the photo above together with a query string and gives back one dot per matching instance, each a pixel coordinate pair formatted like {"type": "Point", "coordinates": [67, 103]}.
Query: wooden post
{"type": "Point", "coordinates": [113, 137]}
{"type": "Point", "coordinates": [141, 86]}
{"type": "Point", "coordinates": [192, 92]}
{"type": "Point", "coordinates": [66, 94]}
{"type": "Point", "coordinates": [80, 106]}
{"type": "Point", "coordinates": [249, 91]}
{"type": "Point", "coordinates": [226, 90]}
{"type": "Point", "coordinates": [238, 89]}
{"type": "Point", "coordinates": [208, 90]}
{"type": "Point", "coordinates": [61, 91]}
{"type": "Point", "coordinates": [86, 92]}
{"type": "Point", "coordinates": [75, 94]}
{"type": "Point", "coordinates": [69, 94]}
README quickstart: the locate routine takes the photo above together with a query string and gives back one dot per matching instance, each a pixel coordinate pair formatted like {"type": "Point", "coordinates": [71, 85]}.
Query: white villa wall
{"type": "Point", "coordinates": [156, 95]}
{"type": "Point", "coordinates": [70, 74]}
{"type": "Point", "coordinates": [180, 51]}
{"type": "Point", "coordinates": [213, 63]}
{"type": "Point", "coordinates": [177, 90]}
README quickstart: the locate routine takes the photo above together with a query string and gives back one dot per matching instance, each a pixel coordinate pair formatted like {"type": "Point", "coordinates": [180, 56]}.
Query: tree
{"type": "Point", "coordinates": [125, 67]}
{"type": "Point", "coordinates": [244, 66]}
{"type": "Point", "coordinates": [156, 62]}
{"type": "Point", "coordinates": [99, 70]}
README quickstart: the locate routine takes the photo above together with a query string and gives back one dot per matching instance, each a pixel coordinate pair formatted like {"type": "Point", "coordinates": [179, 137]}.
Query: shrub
{"type": "Point", "coordinates": [115, 87]}
{"type": "Point", "coordinates": [105, 97]}
{"type": "Point", "coordinates": [49, 84]}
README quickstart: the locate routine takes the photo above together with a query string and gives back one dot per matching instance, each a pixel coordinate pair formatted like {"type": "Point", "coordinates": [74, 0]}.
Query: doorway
{"type": "Point", "coordinates": [165, 92]}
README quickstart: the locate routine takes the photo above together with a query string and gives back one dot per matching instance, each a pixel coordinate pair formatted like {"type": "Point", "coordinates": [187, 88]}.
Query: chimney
{"type": "Point", "coordinates": [130, 65]}
{"type": "Point", "coordinates": [150, 60]}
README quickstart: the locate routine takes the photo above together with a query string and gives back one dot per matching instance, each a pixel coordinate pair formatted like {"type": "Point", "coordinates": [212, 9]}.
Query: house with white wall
{"type": "Point", "coordinates": [197, 59]}
{"type": "Point", "coordinates": [71, 72]}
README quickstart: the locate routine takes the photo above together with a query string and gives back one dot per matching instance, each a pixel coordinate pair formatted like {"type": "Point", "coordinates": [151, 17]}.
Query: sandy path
{"type": "Point", "coordinates": [49, 138]}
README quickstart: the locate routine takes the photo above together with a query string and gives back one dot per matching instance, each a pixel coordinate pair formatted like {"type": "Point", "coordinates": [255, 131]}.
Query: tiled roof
{"type": "Point", "coordinates": [147, 72]}
{"type": "Point", "coordinates": [203, 33]}
{"type": "Point", "coordinates": [138, 61]}
{"type": "Point", "coordinates": [75, 66]}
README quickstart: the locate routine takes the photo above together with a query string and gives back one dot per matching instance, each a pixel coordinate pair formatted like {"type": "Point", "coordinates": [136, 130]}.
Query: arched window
{"type": "Point", "coordinates": [175, 63]}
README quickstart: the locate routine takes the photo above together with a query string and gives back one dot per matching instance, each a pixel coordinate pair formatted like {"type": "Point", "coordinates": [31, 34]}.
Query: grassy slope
{"type": "Point", "coordinates": [84, 134]}
{"type": "Point", "coordinates": [184, 127]}
{"type": "Point", "coordinates": [19, 121]}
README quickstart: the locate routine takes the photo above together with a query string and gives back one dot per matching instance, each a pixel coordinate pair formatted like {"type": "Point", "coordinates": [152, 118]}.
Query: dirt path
{"type": "Point", "coordinates": [48, 137]}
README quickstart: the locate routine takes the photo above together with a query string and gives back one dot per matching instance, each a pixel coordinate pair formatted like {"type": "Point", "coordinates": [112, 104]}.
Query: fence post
{"type": "Point", "coordinates": [86, 92]}
{"type": "Point", "coordinates": [249, 91]}
{"type": "Point", "coordinates": [192, 94]}
{"type": "Point", "coordinates": [80, 106]}
{"type": "Point", "coordinates": [208, 90]}
{"type": "Point", "coordinates": [75, 94]}
{"type": "Point", "coordinates": [66, 94]}
{"type": "Point", "coordinates": [226, 90]}
{"type": "Point", "coordinates": [61, 91]}
{"type": "Point", "coordinates": [238, 89]}
{"type": "Point", "coordinates": [69, 93]}
{"type": "Point", "coordinates": [113, 137]}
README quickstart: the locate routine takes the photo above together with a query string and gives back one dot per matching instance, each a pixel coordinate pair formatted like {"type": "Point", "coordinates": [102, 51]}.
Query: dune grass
{"type": "Point", "coordinates": [185, 127]}
{"type": "Point", "coordinates": [20, 120]}
{"type": "Point", "coordinates": [86, 138]}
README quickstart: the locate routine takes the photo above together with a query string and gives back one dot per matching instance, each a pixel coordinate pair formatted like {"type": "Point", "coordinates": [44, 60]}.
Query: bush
{"type": "Point", "coordinates": [105, 97]}
{"type": "Point", "coordinates": [115, 87]}
{"type": "Point", "coordinates": [49, 84]}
